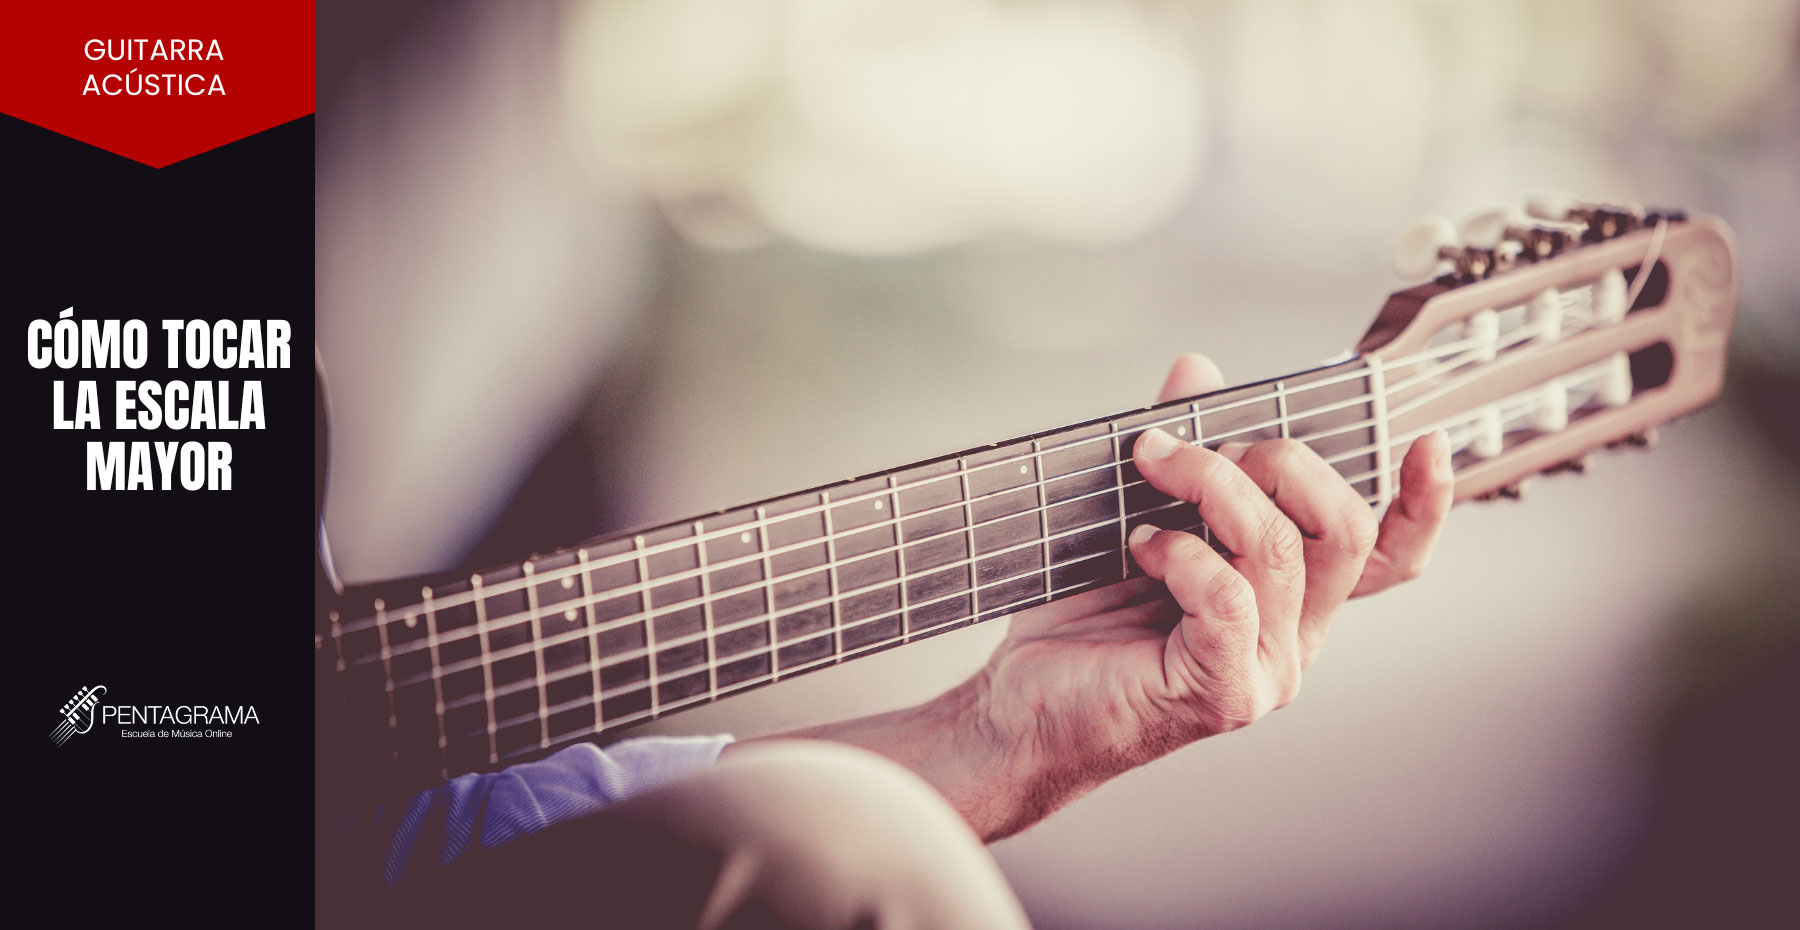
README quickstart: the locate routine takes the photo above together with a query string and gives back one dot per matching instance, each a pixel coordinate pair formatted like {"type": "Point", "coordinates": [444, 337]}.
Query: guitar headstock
{"type": "Point", "coordinates": [1547, 334]}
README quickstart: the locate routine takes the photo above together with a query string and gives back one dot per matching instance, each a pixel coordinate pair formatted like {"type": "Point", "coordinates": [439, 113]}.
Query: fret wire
{"type": "Point", "coordinates": [387, 666]}
{"type": "Point", "coordinates": [649, 621]}
{"type": "Point", "coordinates": [962, 465]}
{"type": "Point", "coordinates": [487, 670]}
{"type": "Point", "coordinates": [1375, 378]}
{"type": "Point", "coordinates": [437, 680]}
{"type": "Point", "coordinates": [1452, 348]}
{"type": "Point", "coordinates": [1281, 414]}
{"type": "Point", "coordinates": [762, 543]}
{"type": "Point", "coordinates": [534, 617]}
{"type": "Point", "coordinates": [706, 612]}
{"type": "Point", "coordinates": [831, 582]}
{"type": "Point", "coordinates": [1043, 509]}
{"type": "Point", "coordinates": [593, 623]}
{"type": "Point", "coordinates": [337, 640]}
{"type": "Point", "coordinates": [1119, 480]}
{"type": "Point", "coordinates": [900, 561]}
{"type": "Point", "coordinates": [1205, 533]}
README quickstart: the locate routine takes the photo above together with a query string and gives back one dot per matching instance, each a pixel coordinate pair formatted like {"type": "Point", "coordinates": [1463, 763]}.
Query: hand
{"type": "Point", "coordinates": [1090, 686]}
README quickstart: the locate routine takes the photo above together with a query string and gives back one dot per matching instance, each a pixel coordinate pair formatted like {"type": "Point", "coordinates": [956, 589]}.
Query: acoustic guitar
{"type": "Point", "coordinates": [1535, 338]}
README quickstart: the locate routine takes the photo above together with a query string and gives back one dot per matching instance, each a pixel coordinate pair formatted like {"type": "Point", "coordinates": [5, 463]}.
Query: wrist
{"type": "Point", "coordinates": [948, 741]}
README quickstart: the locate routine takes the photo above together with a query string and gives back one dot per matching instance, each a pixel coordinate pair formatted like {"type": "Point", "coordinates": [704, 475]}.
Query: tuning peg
{"type": "Point", "coordinates": [1642, 439]}
{"type": "Point", "coordinates": [1575, 466]}
{"type": "Point", "coordinates": [1510, 492]}
{"type": "Point", "coordinates": [1488, 228]}
{"type": "Point", "coordinates": [1606, 222]}
{"type": "Point", "coordinates": [1424, 248]}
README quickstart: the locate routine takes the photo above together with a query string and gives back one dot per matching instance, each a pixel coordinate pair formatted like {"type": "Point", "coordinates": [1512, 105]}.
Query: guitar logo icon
{"type": "Point", "coordinates": [77, 714]}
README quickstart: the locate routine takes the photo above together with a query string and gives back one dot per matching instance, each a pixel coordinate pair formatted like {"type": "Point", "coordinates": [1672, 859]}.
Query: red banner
{"type": "Point", "coordinates": [157, 82]}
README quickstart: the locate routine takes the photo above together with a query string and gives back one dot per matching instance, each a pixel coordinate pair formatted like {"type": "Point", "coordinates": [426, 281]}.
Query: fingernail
{"type": "Point", "coordinates": [1440, 464]}
{"type": "Point", "coordinates": [1156, 444]}
{"type": "Point", "coordinates": [1234, 450]}
{"type": "Point", "coordinates": [1142, 534]}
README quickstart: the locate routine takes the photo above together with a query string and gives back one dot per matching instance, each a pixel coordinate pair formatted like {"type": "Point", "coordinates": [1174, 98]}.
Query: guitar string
{"type": "Point", "coordinates": [632, 687]}
{"type": "Point", "coordinates": [540, 642]}
{"type": "Point", "coordinates": [640, 588]}
{"type": "Point", "coordinates": [492, 589]}
{"type": "Point", "coordinates": [1521, 400]}
{"type": "Point", "coordinates": [1573, 298]}
{"type": "Point", "coordinates": [457, 598]}
{"type": "Point", "coordinates": [543, 712]}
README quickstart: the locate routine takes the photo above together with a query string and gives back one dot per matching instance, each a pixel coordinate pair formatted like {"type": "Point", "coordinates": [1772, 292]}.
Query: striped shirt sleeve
{"type": "Point", "coordinates": [482, 811]}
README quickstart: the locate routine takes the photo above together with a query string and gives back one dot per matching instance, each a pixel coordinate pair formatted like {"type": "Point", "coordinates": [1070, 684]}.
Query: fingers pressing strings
{"type": "Point", "coordinates": [1338, 527]}
{"type": "Point", "coordinates": [1267, 545]}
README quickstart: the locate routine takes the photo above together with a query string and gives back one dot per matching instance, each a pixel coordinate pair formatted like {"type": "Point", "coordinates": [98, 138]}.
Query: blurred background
{"type": "Point", "coordinates": [589, 264]}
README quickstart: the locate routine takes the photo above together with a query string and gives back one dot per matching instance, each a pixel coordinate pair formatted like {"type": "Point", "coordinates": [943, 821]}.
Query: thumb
{"type": "Point", "coordinates": [1191, 374]}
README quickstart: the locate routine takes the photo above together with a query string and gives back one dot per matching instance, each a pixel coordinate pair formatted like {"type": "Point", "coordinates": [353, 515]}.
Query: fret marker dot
{"type": "Point", "coordinates": [1024, 469]}
{"type": "Point", "coordinates": [1181, 431]}
{"type": "Point", "coordinates": [569, 614]}
{"type": "Point", "coordinates": [744, 537]}
{"type": "Point", "coordinates": [568, 582]}
{"type": "Point", "coordinates": [878, 505]}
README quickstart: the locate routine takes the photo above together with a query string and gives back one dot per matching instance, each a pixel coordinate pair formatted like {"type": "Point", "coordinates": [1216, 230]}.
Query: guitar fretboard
{"type": "Point", "coordinates": [516, 661]}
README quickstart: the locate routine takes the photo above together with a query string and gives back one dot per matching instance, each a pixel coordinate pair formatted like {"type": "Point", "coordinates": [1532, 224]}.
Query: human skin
{"type": "Point", "coordinates": [1088, 687]}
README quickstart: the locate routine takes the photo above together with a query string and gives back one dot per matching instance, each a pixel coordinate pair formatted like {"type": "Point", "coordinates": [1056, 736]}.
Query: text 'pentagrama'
{"type": "Point", "coordinates": [169, 404]}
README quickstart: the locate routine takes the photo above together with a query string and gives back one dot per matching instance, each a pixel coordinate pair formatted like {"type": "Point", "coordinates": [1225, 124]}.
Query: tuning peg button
{"type": "Point", "coordinates": [1424, 248]}
{"type": "Point", "coordinates": [1642, 439]}
{"type": "Point", "coordinates": [1510, 492]}
{"type": "Point", "coordinates": [1575, 466]}
{"type": "Point", "coordinates": [1490, 227]}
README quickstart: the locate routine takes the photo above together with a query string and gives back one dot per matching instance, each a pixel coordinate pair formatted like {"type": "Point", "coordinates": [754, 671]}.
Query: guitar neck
{"type": "Point", "coordinates": [514, 661]}
{"type": "Point", "coordinates": [1567, 344]}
